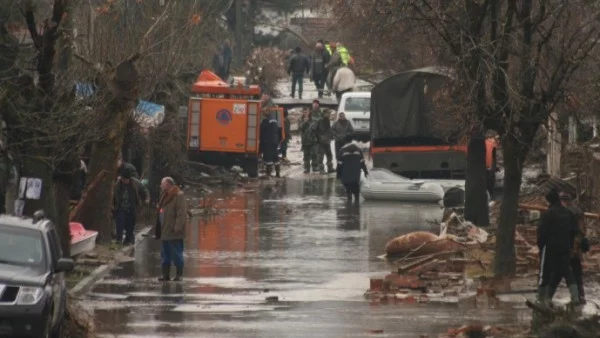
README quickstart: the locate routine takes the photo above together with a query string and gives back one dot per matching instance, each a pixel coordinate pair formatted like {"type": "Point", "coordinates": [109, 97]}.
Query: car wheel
{"type": "Point", "coordinates": [251, 168]}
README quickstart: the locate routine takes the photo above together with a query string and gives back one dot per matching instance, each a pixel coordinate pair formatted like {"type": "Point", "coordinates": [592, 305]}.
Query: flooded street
{"type": "Point", "coordinates": [299, 242]}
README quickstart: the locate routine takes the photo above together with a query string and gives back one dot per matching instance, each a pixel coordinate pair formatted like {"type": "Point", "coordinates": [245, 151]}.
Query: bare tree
{"type": "Point", "coordinates": [513, 60]}
{"type": "Point", "coordinates": [158, 44]}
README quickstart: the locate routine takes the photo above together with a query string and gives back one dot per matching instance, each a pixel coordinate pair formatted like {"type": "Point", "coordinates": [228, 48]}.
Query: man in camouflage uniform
{"type": "Point", "coordinates": [309, 142]}
{"type": "Point", "coordinates": [315, 112]}
{"type": "Point", "coordinates": [324, 137]}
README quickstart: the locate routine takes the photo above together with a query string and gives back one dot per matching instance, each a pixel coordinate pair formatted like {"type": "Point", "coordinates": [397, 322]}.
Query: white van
{"type": "Point", "coordinates": [357, 107]}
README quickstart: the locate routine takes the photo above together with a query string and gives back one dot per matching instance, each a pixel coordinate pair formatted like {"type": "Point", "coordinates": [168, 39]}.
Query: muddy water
{"type": "Point", "coordinates": [300, 243]}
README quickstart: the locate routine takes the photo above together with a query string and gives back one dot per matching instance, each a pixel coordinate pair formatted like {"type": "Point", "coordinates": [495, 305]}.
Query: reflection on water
{"type": "Point", "coordinates": [299, 241]}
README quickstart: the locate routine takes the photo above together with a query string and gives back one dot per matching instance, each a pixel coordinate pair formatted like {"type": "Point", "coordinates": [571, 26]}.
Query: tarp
{"type": "Point", "coordinates": [401, 105]}
{"type": "Point", "coordinates": [149, 114]}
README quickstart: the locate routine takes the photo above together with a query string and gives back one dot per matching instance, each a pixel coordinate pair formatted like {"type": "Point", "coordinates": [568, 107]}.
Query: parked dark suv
{"type": "Point", "coordinates": [33, 291]}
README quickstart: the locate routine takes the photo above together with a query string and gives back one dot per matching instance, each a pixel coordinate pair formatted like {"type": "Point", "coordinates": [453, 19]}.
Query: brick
{"type": "Point", "coordinates": [396, 281]}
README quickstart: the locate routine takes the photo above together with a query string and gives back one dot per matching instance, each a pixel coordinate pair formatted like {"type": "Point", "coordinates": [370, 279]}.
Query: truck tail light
{"type": "Point", "coordinates": [252, 132]}
{"type": "Point", "coordinates": [194, 124]}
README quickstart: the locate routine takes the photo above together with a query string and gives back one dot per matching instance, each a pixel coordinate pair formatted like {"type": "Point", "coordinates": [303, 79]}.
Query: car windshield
{"type": "Point", "coordinates": [361, 104]}
{"type": "Point", "coordinates": [22, 247]}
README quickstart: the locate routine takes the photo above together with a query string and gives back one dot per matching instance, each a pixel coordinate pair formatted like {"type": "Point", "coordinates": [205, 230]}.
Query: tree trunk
{"type": "Point", "coordinates": [476, 201]}
{"type": "Point", "coordinates": [514, 156]}
{"type": "Point", "coordinates": [62, 189]}
{"type": "Point", "coordinates": [96, 212]}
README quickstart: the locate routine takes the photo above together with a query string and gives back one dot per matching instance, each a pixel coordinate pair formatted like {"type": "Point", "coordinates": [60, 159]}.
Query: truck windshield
{"type": "Point", "coordinates": [22, 247]}
{"type": "Point", "coordinates": [358, 104]}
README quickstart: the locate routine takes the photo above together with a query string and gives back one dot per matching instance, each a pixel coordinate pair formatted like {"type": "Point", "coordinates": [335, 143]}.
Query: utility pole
{"type": "Point", "coordinates": [239, 29]}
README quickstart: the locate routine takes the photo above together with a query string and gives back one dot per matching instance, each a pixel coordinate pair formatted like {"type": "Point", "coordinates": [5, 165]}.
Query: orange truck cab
{"type": "Point", "coordinates": [224, 123]}
{"type": "Point", "coordinates": [404, 140]}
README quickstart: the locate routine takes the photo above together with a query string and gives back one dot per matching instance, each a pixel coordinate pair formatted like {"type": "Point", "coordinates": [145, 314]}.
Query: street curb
{"type": "Point", "coordinates": [100, 272]}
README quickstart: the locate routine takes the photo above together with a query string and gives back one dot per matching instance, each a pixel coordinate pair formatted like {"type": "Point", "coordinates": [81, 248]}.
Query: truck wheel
{"type": "Point", "coordinates": [251, 168]}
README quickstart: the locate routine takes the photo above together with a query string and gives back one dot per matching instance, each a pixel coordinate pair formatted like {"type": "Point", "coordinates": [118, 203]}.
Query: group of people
{"type": "Point", "coordinates": [562, 242]}
{"type": "Point", "coordinates": [317, 134]}
{"type": "Point", "coordinates": [328, 67]}
{"type": "Point", "coordinates": [130, 195]}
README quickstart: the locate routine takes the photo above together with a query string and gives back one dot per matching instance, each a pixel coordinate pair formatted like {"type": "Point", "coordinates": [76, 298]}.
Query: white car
{"type": "Point", "coordinates": [357, 108]}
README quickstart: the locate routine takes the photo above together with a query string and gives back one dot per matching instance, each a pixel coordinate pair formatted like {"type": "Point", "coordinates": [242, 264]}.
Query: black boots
{"type": "Point", "coordinates": [178, 274]}
{"type": "Point", "coordinates": [269, 170]}
{"type": "Point", "coordinates": [166, 274]}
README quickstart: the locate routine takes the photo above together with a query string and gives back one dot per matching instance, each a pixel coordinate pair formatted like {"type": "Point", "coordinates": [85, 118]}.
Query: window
{"type": "Point", "coordinates": [55, 244]}
{"type": "Point", "coordinates": [22, 247]}
{"type": "Point", "coordinates": [360, 104]}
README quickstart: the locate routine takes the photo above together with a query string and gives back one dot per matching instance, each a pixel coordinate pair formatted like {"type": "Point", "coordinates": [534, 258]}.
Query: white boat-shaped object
{"type": "Point", "coordinates": [383, 185]}
{"type": "Point", "coordinates": [82, 240]}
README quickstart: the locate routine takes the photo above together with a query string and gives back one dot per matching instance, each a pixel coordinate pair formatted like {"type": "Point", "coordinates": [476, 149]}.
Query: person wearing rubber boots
{"type": "Point", "coordinates": [309, 142]}
{"type": "Point", "coordinates": [351, 162]}
{"type": "Point", "coordinates": [324, 138]}
{"type": "Point", "coordinates": [270, 137]}
{"type": "Point", "coordinates": [556, 233]}
{"type": "Point", "coordinates": [173, 216]}
{"type": "Point", "coordinates": [580, 246]}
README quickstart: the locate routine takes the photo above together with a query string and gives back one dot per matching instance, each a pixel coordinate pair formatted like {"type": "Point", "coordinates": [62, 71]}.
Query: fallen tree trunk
{"type": "Point", "coordinates": [75, 212]}
{"type": "Point", "coordinates": [120, 84]}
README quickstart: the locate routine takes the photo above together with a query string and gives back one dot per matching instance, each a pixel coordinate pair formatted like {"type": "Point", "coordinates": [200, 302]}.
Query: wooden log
{"type": "Point", "coordinates": [75, 212]}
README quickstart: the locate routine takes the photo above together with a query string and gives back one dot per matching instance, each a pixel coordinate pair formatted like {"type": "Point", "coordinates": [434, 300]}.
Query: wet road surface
{"type": "Point", "coordinates": [301, 243]}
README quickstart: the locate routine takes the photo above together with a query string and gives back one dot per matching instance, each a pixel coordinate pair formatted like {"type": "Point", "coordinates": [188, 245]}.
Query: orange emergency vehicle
{"type": "Point", "coordinates": [224, 123]}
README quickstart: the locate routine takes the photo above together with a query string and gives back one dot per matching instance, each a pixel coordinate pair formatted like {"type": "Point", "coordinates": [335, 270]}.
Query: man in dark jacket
{"type": "Point", "coordinates": [123, 166]}
{"type": "Point", "coordinates": [342, 132]}
{"type": "Point", "coordinates": [309, 142]}
{"type": "Point", "coordinates": [324, 137]}
{"type": "Point", "coordinates": [580, 246]}
{"type": "Point", "coordinates": [129, 195]}
{"type": "Point", "coordinates": [318, 71]}
{"type": "Point", "coordinates": [298, 65]}
{"type": "Point", "coordinates": [269, 141]}
{"type": "Point", "coordinates": [350, 162]}
{"type": "Point", "coordinates": [287, 129]}
{"type": "Point", "coordinates": [555, 235]}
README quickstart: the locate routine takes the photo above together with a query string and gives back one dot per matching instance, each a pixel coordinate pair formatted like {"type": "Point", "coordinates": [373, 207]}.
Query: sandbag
{"type": "Point", "coordinates": [408, 242]}
{"type": "Point", "coordinates": [426, 243]}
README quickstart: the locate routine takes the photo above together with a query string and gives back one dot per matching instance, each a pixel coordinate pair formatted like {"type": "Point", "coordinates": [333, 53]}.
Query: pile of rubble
{"type": "Point", "coordinates": [433, 268]}
{"type": "Point", "coordinates": [451, 266]}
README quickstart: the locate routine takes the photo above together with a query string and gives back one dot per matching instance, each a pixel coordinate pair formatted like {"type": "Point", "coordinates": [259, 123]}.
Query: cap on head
{"type": "Point", "coordinates": [552, 197]}
{"type": "Point", "coordinates": [565, 197]}
{"type": "Point", "coordinates": [316, 101]}
{"type": "Point", "coordinates": [126, 174]}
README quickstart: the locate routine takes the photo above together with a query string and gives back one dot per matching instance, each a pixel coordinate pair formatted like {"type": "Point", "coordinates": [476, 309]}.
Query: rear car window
{"type": "Point", "coordinates": [360, 104]}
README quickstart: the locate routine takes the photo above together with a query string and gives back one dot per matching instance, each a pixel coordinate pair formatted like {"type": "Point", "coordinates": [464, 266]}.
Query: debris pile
{"type": "Point", "coordinates": [265, 66]}
{"type": "Point", "coordinates": [432, 267]}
